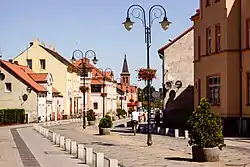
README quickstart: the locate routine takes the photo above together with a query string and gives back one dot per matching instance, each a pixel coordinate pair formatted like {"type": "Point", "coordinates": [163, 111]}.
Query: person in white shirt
{"type": "Point", "coordinates": [135, 119]}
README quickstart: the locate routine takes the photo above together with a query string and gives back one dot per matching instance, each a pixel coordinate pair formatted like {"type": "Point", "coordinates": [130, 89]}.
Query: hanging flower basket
{"type": "Point", "coordinates": [146, 74]}
{"type": "Point", "coordinates": [103, 94]}
{"type": "Point", "coordinates": [84, 89]}
{"type": "Point", "coordinates": [131, 100]}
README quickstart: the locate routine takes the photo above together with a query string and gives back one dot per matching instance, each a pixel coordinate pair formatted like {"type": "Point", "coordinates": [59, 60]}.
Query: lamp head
{"type": "Point", "coordinates": [165, 23]}
{"type": "Point", "coordinates": [94, 60]}
{"type": "Point", "coordinates": [128, 24]}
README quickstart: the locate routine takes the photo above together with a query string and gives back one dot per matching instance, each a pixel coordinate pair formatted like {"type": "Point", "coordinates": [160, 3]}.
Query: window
{"type": "Point", "coordinates": [214, 90]}
{"type": "Point", "coordinates": [126, 79]}
{"type": "Point", "coordinates": [96, 88]}
{"type": "Point", "coordinates": [29, 63]}
{"type": "Point", "coordinates": [84, 74]}
{"type": "Point", "coordinates": [207, 2]}
{"type": "Point", "coordinates": [248, 33]}
{"type": "Point", "coordinates": [42, 64]}
{"type": "Point", "coordinates": [217, 36]}
{"type": "Point", "coordinates": [199, 47]}
{"type": "Point", "coordinates": [95, 105]}
{"type": "Point", "coordinates": [208, 35]}
{"type": "Point", "coordinates": [8, 87]}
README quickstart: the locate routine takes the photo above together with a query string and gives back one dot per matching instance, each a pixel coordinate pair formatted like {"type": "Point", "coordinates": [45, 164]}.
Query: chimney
{"type": "Point", "coordinates": [31, 43]}
{"type": "Point", "coordinates": [16, 62]}
{"type": "Point", "coordinates": [11, 61]}
{"type": "Point", "coordinates": [52, 47]}
{"type": "Point", "coordinates": [35, 42]}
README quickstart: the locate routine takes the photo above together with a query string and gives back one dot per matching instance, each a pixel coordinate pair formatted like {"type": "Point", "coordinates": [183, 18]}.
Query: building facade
{"type": "Point", "coordinates": [21, 88]}
{"type": "Point", "coordinates": [178, 78]}
{"type": "Point", "coordinates": [42, 59]}
{"type": "Point", "coordinates": [221, 68]}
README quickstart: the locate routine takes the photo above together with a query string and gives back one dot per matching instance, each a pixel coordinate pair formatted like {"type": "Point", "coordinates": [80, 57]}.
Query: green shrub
{"type": "Point", "coordinates": [205, 127]}
{"type": "Point", "coordinates": [106, 122]}
{"type": "Point", "coordinates": [12, 116]}
{"type": "Point", "coordinates": [120, 112]}
{"type": "Point", "coordinates": [91, 115]}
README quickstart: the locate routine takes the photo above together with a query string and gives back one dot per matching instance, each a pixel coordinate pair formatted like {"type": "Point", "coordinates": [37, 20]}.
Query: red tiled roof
{"type": "Point", "coordinates": [96, 82]}
{"type": "Point", "coordinates": [161, 50]}
{"type": "Point", "coordinates": [54, 90]}
{"type": "Point", "coordinates": [39, 77]}
{"type": "Point", "coordinates": [78, 63]}
{"type": "Point", "coordinates": [21, 73]}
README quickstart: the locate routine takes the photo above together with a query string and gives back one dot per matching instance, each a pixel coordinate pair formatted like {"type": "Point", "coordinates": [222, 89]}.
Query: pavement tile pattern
{"type": "Point", "coordinates": [26, 156]}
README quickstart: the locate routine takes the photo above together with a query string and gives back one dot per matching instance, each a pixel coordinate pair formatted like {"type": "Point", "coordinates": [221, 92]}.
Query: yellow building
{"type": "Point", "coordinates": [66, 79]}
{"type": "Point", "coordinates": [221, 60]}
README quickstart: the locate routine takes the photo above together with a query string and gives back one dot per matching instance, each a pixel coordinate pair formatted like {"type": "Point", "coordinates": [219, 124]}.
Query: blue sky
{"type": "Point", "coordinates": [95, 24]}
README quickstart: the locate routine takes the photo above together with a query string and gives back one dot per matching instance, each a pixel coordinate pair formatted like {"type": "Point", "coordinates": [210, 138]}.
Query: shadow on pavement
{"type": "Point", "coordinates": [179, 159]}
{"type": "Point", "coordinates": [104, 144]}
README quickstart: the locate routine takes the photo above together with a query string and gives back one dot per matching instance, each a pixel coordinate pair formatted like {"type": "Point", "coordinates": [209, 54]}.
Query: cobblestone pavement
{"type": "Point", "coordinates": [132, 151]}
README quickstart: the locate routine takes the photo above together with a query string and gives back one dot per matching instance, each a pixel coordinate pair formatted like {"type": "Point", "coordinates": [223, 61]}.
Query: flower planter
{"type": "Point", "coordinates": [104, 131]}
{"type": "Point", "coordinates": [205, 154]}
{"type": "Point", "coordinates": [91, 123]}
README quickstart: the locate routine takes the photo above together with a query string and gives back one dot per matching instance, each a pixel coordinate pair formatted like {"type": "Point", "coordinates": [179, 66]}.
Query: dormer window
{"type": "Point", "coordinates": [43, 64]}
{"type": "Point", "coordinates": [29, 63]}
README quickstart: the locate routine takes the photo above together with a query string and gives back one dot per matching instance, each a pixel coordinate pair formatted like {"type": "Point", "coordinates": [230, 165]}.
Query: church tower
{"type": "Point", "coordinates": [125, 75]}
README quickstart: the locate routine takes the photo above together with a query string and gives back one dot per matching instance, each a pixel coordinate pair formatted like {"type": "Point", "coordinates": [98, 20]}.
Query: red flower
{"type": "Point", "coordinates": [146, 74]}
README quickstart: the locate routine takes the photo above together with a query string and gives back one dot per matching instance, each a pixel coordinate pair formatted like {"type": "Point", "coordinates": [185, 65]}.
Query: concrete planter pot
{"type": "Point", "coordinates": [104, 131]}
{"type": "Point", "coordinates": [205, 154]}
{"type": "Point", "coordinates": [91, 123]}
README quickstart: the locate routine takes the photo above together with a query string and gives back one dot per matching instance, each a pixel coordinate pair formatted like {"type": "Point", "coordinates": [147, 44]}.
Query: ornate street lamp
{"type": "Point", "coordinates": [88, 54]}
{"type": "Point", "coordinates": [104, 94]}
{"type": "Point", "coordinates": [155, 12]}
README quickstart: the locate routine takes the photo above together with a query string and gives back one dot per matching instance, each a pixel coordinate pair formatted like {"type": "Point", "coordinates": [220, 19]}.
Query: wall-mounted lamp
{"type": "Point", "coordinates": [168, 85]}
{"type": "Point", "coordinates": [25, 97]}
{"type": "Point", "coordinates": [178, 84]}
{"type": "Point", "coordinates": [29, 89]}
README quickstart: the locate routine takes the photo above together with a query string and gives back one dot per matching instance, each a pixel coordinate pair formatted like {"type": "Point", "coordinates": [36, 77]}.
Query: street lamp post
{"type": "Point", "coordinates": [121, 97]}
{"type": "Point", "coordinates": [103, 91]}
{"type": "Point", "coordinates": [88, 54]}
{"type": "Point", "coordinates": [155, 12]}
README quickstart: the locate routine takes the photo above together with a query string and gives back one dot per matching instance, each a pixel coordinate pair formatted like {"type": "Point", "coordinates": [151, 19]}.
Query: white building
{"type": "Point", "coordinates": [21, 88]}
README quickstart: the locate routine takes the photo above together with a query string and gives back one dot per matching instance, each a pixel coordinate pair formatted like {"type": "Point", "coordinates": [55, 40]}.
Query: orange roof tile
{"type": "Point", "coordinates": [21, 73]}
{"type": "Point", "coordinates": [39, 77]}
{"type": "Point", "coordinates": [96, 82]}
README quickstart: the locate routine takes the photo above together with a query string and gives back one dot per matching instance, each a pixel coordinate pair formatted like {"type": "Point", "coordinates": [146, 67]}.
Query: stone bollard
{"type": "Point", "coordinates": [40, 129]}
{"type": "Point", "coordinates": [47, 133]}
{"type": "Point", "coordinates": [125, 125]}
{"type": "Point", "coordinates": [62, 142]}
{"type": "Point", "coordinates": [54, 138]}
{"type": "Point", "coordinates": [80, 151]}
{"type": "Point", "coordinates": [89, 156]}
{"type": "Point", "coordinates": [70, 120]}
{"type": "Point", "coordinates": [68, 144]}
{"type": "Point", "coordinates": [166, 131]}
{"type": "Point", "coordinates": [58, 139]}
{"type": "Point", "coordinates": [186, 134]}
{"type": "Point", "coordinates": [158, 129]}
{"type": "Point", "coordinates": [73, 149]}
{"type": "Point", "coordinates": [113, 163]}
{"type": "Point", "coordinates": [176, 133]}
{"type": "Point", "coordinates": [99, 160]}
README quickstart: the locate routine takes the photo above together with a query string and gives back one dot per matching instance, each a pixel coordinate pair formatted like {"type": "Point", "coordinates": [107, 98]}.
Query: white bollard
{"type": "Point", "coordinates": [57, 139]}
{"type": "Point", "coordinates": [176, 133]}
{"type": "Point", "coordinates": [73, 150]}
{"type": "Point", "coordinates": [89, 156]}
{"type": "Point", "coordinates": [68, 145]}
{"type": "Point", "coordinates": [80, 151]}
{"type": "Point", "coordinates": [166, 131]}
{"type": "Point", "coordinates": [40, 129]}
{"type": "Point", "coordinates": [62, 142]}
{"type": "Point", "coordinates": [46, 133]}
{"type": "Point", "coordinates": [186, 134]}
{"type": "Point", "coordinates": [99, 160]}
{"type": "Point", "coordinates": [54, 138]}
{"type": "Point", "coordinates": [158, 129]}
{"type": "Point", "coordinates": [113, 163]}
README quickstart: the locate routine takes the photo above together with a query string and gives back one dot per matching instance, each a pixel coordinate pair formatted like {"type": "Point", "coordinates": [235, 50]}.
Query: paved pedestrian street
{"type": "Point", "coordinates": [132, 151]}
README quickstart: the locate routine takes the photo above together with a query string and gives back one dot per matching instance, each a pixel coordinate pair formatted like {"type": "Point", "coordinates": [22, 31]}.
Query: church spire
{"type": "Point", "coordinates": [125, 66]}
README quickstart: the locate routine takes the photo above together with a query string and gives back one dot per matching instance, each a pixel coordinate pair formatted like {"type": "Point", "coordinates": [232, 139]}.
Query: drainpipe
{"type": "Point", "coordinates": [241, 72]}
{"type": "Point", "coordinates": [163, 78]}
